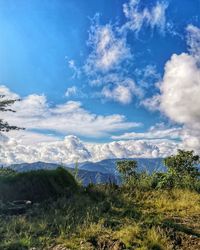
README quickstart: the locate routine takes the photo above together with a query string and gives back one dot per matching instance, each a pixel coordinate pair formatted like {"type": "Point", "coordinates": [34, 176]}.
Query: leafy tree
{"type": "Point", "coordinates": [182, 170]}
{"type": "Point", "coordinates": [184, 163]}
{"type": "Point", "coordinates": [4, 106]}
{"type": "Point", "coordinates": [127, 169]}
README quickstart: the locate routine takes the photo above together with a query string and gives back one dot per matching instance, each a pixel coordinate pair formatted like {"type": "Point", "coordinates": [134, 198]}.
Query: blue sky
{"type": "Point", "coordinates": [106, 59]}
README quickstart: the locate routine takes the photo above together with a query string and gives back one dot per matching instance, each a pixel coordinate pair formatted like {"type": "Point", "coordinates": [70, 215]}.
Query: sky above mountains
{"type": "Point", "coordinates": [100, 79]}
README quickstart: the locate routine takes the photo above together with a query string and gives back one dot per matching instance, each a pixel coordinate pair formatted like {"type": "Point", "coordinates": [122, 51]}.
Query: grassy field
{"type": "Point", "coordinates": [104, 217]}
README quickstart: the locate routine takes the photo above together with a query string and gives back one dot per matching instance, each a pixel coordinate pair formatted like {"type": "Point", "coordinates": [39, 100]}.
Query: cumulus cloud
{"type": "Point", "coordinates": [35, 113]}
{"type": "Point", "coordinates": [122, 91]}
{"type": "Point", "coordinates": [35, 144]}
{"type": "Point", "coordinates": [4, 91]}
{"type": "Point", "coordinates": [137, 17]}
{"type": "Point", "coordinates": [72, 149]}
{"type": "Point", "coordinates": [180, 90]}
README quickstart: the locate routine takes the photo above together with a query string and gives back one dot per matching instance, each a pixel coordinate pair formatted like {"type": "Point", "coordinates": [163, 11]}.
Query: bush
{"type": "Point", "coordinates": [36, 185]}
{"type": "Point", "coordinates": [182, 172]}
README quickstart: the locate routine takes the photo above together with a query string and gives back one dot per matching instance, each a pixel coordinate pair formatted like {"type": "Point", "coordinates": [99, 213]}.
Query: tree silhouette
{"type": "Point", "coordinates": [4, 107]}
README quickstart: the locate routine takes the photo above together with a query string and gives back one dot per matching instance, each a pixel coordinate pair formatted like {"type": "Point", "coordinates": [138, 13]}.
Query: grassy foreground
{"type": "Point", "coordinates": [106, 217]}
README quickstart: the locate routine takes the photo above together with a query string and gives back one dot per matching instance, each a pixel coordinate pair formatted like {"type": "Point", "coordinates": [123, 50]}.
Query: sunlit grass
{"type": "Point", "coordinates": [103, 215]}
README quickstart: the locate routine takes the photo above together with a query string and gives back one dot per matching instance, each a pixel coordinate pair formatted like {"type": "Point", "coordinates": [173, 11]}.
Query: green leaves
{"type": "Point", "coordinates": [127, 169]}
{"type": "Point", "coordinates": [184, 163]}
{"type": "Point", "coordinates": [182, 171]}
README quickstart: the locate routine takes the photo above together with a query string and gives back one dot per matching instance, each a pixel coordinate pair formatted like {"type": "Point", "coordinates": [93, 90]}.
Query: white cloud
{"type": "Point", "coordinates": [180, 90]}
{"type": "Point", "coordinates": [71, 91]}
{"type": "Point", "coordinates": [72, 149]}
{"type": "Point", "coordinates": [122, 91]}
{"type": "Point", "coordinates": [110, 54]}
{"type": "Point", "coordinates": [152, 103]}
{"type": "Point", "coordinates": [108, 48]}
{"type": "Point", "coordinates": [76, 70]}
{"type": "Point", "coordinates": [74, 91]}
{"type": "Point", "coordinates": [4, 91]}
{"type": "Point", "coordinates": [35, 113]}
{"type": "Point", "coordinates": [34, 144]}
{"type": "Point", "coordinates": [193, 41]}
{"type": "Point", "coordinates": [155, 132]}
{"type": "Point", "coordinates": [137, 17]}
{"type": "Point", "coordinates": [147, 76]}
{"type": "Point", "coordinates": [27, 137]}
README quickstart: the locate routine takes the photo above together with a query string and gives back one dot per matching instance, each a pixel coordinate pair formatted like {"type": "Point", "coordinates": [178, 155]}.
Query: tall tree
{"type": "Point", "coordinates": [5, 106]}
{"type": "Point", "coordinates": [184, 163]}
{"type": "Point", "coordinates": [127, 169]}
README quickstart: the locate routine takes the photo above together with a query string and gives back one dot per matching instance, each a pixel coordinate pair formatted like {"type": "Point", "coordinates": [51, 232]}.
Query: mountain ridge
{"type": "Point", "coordinates": [96, 172]}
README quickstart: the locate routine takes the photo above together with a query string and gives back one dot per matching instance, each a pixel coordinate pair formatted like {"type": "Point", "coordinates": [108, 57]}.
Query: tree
{"type": "Point", "coordinates": [127, 169]}
{"type": "Point", "coordinates": [182, 164]}
{"type": "Point", "coordinates": [182, 171]}
{"type": "Point", "coordinates": [4, 106]}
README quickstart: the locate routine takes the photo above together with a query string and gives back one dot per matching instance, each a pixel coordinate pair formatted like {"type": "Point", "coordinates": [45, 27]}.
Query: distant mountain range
{"type": "Point", "coordinates": [109, 165]}
{"type": "Point", "coordinates": [96, 172]}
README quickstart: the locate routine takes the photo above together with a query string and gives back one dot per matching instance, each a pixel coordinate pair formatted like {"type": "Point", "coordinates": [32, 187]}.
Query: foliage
{"type": "Point", "coordinates": [182, 171]}
{"type": "Point", "coordinates": [142, 214]}
{"type": "Point", "coordinates": [184, 163]}
{"type": "Point", "coordinates": [4, 106]}
{"type": "Point", "coordinates": [36, 185]}
{"type": "Point", "coordinates": [75, 174]}
{"type": "Point", "coordinates": [7, 171]}
{"type": "Point", "coordinates": [127, 169]}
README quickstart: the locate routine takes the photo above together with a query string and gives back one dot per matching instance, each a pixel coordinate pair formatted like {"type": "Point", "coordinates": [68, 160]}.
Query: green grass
{"type": "Point", "coordinates": [101, 216]}
{"type": "Point", "coordinates": [36, 185]}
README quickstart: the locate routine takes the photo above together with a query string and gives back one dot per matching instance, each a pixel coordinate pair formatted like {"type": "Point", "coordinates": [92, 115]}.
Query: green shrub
{"type": "Point", "coordinates": [36, 185]}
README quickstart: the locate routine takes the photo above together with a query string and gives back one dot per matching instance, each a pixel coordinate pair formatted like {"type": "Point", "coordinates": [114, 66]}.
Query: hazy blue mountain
{"type": "Point", "coordinates": [85, 176]}
{"type": "Point", "coordinates": [96, 172]}
{"type": "Point", "coordinates": [104, 166]}
{"type": "Point", "coordinates": [109, 165]}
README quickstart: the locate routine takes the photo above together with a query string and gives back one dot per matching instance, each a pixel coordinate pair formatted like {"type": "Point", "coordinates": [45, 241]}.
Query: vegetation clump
{"type": "Point", "coordinates": [35, 185]}
{"type": "Point", "coordinates": [146, 212]}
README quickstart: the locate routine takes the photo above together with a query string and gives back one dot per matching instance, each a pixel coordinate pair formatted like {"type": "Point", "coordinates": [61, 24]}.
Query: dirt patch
{"type": "Point", "coordinates": [106, 243]}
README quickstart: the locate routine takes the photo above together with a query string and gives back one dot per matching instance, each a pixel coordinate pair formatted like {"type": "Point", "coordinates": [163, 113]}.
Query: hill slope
{"type": "Point", "coordinates": [36, 185]}
{"type": "Point", "coordinates": [85, 175]}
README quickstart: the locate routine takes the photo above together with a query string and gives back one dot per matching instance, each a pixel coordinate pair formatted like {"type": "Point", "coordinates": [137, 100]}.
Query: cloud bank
{"type": "Point", "coordinates": [72, 149]}
{"type": "Point", "coordinates": [44, 123]}
{"type": "Point", "coordinates": [35, 113]}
